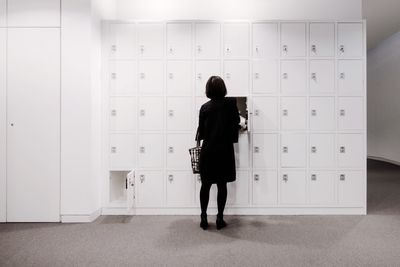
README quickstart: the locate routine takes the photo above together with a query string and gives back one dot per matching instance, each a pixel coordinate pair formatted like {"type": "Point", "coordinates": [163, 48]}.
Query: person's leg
{"type": "Point", "coordinates": [221, 201]}
{"type": "Point", "coordinates": [204, 197]}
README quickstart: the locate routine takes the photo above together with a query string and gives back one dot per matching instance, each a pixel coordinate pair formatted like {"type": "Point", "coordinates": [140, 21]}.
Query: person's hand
{"type": "Point", "coordinates": [242, 124]}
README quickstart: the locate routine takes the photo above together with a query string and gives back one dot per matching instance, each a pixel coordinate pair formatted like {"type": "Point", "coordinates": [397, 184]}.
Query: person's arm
{"type": "Point", "coordinates": [201, 127]}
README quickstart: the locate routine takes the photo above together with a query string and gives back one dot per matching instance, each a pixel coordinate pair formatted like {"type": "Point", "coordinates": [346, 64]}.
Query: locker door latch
{"type": "Point", "coordinates": [341, 49]}
{"type": "Point", "coordinates": [314, 48]}
{"type": "Point", "coordinates": [342, 149]}
{"type": "Point", "coordinates": [170, 149]}
{"type": "Point", "coordinates": [313, 149]}
{"type": "Point", "coordinates": [285, 48]}
{"type": "Point", "coordinates": [285, 178]}
{"type": "Point", "coordinates": [256, 177]}
{"type": "Point", "coordinates": [313, 177]}
{"type": "Point", "coordinates": [142, 149]}
{"type": "Point", "coordinates": [285, 149]}
{"type": "Point", "coordinates": [142, 177]}
{"type": "Point", "coordinates": [342, 177]}
{"type": "Point", "coordinates": [170, 178]}
{"type": "Point", "coordinates": [313, 112]}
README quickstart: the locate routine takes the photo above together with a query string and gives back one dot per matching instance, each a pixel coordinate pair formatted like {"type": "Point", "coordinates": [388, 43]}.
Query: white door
{"type": "Point", "coordinates": [151, 150]}
{"type": "Point", "coordinates": [33, 127]}
{"type": "Point", "coordinates": [350, 77]}
{"type": "Point", "coordinates": [3, 18]}
{"type": "Point", "coordinates": [351, 113]}
{"type": "Point", "coordinates": [236, 77]}
{"type": "Point", "coordinates": [236, 40]}
{"type": "Point", "coordinates": [151, 40]}
{"type": "Point", "coordinates": [322, 150]}
{"type": "Point", "coordinates": [179, 113]}
{"type": "Point", "coordinates": [178, 150]}
{"type": "Point", "coordinates": [293, 39]}
{"type": "Point", "coordinates": [265, 188]}
{"type": "Point", "coordinates": [321, 187]}
{"type": "Point", "coordinates": [238, 191]}
{"type": "Point", "coordinates": [265, 76]}
{"type": "Point", "coordinates": [123, 114]}
{"type": "Point", "coordinates": [151, 113]}
{"type": "Point", "coordinates": [179, 40]}
{"type": "Point", "coordinates": [123, 78]}
{"type": "Point", "coordinates": [293, 113]}
{"type": "Point", "coordinates": [292, 187]}
{"type": "Point", "coordinates": [3, 121]}
{"type": "Point", "coordinates": [149, 189]}
{"type": "Point", "coordinates": [351, 150]}
{"type": "Point", "coordinates": [122, 39]}
{"type": "Point", "coordinates": [208, 40]}
{"type": "Point", "coordinates": [351, 188]}
{"type": "Point", "coordinates": [151, 77]}
{"type": "Point", "coordinates": [265, 114]}
{"type": "Point", "coordinates": [265, 40]}
{"type": "Point", "coordinates": [293, 150]}
{"type": "Point", "coordinates": [322, 113]}
{"type": "Point", "coordinates": [350, 40]}
{"type": "Point", "coordinates": [265, 147]}
{"type": "Point", "coordinates": [242, 151]}
{"type": "Point", "coordinates": [322, 39]}
{"type": "Point", "coordinates": [293, 77]}
{"type": "Point", "coordinates": [123, 151]}
{"type": "Point", "coordinates": [204, 70]}
{"type": "Point", "coordinates": [180, 189]}
{"type": "Point", "coordinates": [29, 14]}
{"type": "Point", "coordinates": [322, 76]}
{"type": "Point", "coordinates": [179, 78]}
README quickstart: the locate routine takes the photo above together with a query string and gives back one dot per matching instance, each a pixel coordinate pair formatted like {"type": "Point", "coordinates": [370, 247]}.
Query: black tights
{"type": "Point", "coordinates": [221, 197]}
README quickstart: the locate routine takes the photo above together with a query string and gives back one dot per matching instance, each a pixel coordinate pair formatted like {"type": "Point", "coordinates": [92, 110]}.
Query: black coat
{"type": "Point", "coordinates": [219, 129]}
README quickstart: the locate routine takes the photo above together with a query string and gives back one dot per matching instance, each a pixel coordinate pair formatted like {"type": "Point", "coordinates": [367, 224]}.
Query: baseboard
{"type": "Point", "coordinates": [81, 218]}
{"type": "Point", "coordinates": [384, 160]}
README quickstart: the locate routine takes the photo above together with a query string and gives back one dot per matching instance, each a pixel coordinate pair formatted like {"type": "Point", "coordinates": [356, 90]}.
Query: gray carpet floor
{"type": "Point", "coordinates": [372, 240]}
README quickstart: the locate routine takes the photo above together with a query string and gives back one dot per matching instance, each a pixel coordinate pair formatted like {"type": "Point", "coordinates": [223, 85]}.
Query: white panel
{"type": "Point", "coordinates": [123, 43]}
{"type": "Point", "coordinates": [151, 113]}
{"type": "Point", "coordinates": [265, 40]}
{"type": "Point", "coordinates": [265, 147]}
{"type": "Point", "coordinates": [238, 191]}
{"type": "Point", "coordinates": [149, 189]}
{"type": "Point", "coordinates": [123, 114]}
{"type": "Point", "coordinates": [236, 76]}
{"type": "Point", "coordinates": [265, 113]}
{"type": "Point", "coordinates": [3, 13]}
{"type": "Point", "coordinates": [322, 113]}
{"type": "Point", "coordinates": [123, 151]}
{"type": "Point", "coordinates": [179, 115]}
{"type": "Point", "coordinates": [293, 113]}
{"type": "Point", "coordinates": [293, 150]}
{"type": "Point", "coordinates": [351, 150]}
{"type": "Point", "coordinates": [33, 125]}
{"type": "Point", "coordinates": [350, 40]}
{"type": "Point", "coordinates": [179, 40]}
{"type": "Point", "coordinates": [208, 40]}
{"type": "Point", "coordinates": [179, 78]}
{"type": "Point", "coordinates": [151, 77]}
{"type": "Point", "coordinates": [293, 39]}
{"type": "Point", "coordinates": [322, 76]}
{"type": "Point", "coordinates": [151, 40]}
{"type": "Point", "coordinates": [322, 150]}
{"type": "Point", "coordinates": [242, 151]}
{"type": "Point", "coordinates": [265, 76]}
{"type": "Point", "coordinates": [322, 187]}
{"type": "Point", "coordinates": [178, 150]}
{"type": "Point", "coordinates": [151, 150]}
{"type": "Point", "coordinates": [236, 40]}
{"type": "Point", "coordinates": [265, 188]}
{"type": "Point", "coordinates": [204, 70]}
{"type": "Point", "coordinates": [293, 76]}
{"type": "Point", "coordinates": [322, 39]}
{"type": "Point", "coordinates": [123, 78]}
{"type": "Point", "coordinates": [38, 13]}
{"type": "Point", "coordinates": [293, 187]}
{"type": "Point", "coordinates": [180, 189]}
{"type": "Point", "coordinates": [350, 113]}
{"type": "Point", "coordinates": [350, 77]}
{"type": "Point", "coordinates": [351, 187]}
{"type": "Point", "coordinates": [3, 123]}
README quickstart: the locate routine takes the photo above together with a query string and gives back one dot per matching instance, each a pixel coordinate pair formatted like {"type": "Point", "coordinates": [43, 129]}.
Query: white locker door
{"type": "Point", "coordinates": [179, 78]}
{"type": "Point", "coordinates": [29, 14]}
{"type": "Point", "coordinates": [149, 189]}
{"type": "Point", "coordinates": [123, 77]}
{"type": "Point", "coordinates": [265, 188]}
{"type": "Point", "coordinates": [123, 114]}
{"type": "Point", "coordinates": [236, 40]}
{"type": "Point", "coordinates": [33, 128]}
{"type": "Point", "coordinates": [208, 40]}
{"type": "Point", "coordinates": [293, 39]}
{"type": "Point", "coordinates": [351, 115]}
{"type": "Point", "coordinates": [179, 40]}
{"type": "Point", "coordinates": [322, 76]}
{"type": "Point", "coordinates": [178, 150]}
{"type": "Point", "coordinates": [151, 150]}
{"type": "Point", "coordinates": [351, 150]}
{"type": "Point", "coordinates": [123, 152]}
{"type": "Point", "coordinates": [213, 193]}
{"type": "Point", "coordinates": [292, 187]}
{"type": "Point", "coordinates": [293, 77]}
{"type": "Point", "coordinates": [151, 113]}
{"type": "Point", "coordinates": [293, 113]}
{"type": "Point", "coordinates": [265, 76]}
{"type": "Point", "coordinates": [322, 187]}
{"type": "Point", "coordinates": [265, 40]}
{"type": "Point", "coordinates": [242, 151]}
{"type": "Point", "coordinates": [123, 43]}
{"type": "Point", "coordinates": [179, 115]}
{"type": "Point", "coordinates": [204, 70]}
{"type": "Point", "coordinates": [350, 40]}
{"type": "Point", "coordinates": [151, 40]}
{"type": "Point", "coordinates": [322, 150]}
{"type": "Point", "coordinates": [265, 114]}
{"type": "Point", "coordinates": [351, 188]}
{"type": "Point", "coordinates": [151, 77]}
{"type": "Point", "coordinates": [180, 189]}
{"type": "Point", "coordinates": [238, 192]}
{"type": "Point", "coordinates": [3, 15]}
{"type": "Point", "coordinates": [293, 150]}
{"type": "Point", "coordinates": [350, 77]}
{"type": "Point", "coordinates": [265, 148]}
{"type": "Point", "coordinates": [3, 119]}
{"type": "Point", "coordinates": [236, 76]}
{"type": "Point", "coordinates": [322, 39]}
{"type": "Point", "coordinates": [322, 113]}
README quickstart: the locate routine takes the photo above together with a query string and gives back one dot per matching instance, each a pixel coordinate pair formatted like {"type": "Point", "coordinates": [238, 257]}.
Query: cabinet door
{"type": "Point", "coordinates": [180, 189]}
{"type": "Point", "coordinates": [151, 113]}
{"type": "Point", "coordinates": [151, 77]}
{"type": "Point", "coordinates": [322, 187]}
{"type": "Point", "coordinates": [265, 188]}
{"type": "Point", "coordinates": [265, 40]}
{"type": "Point", "coordinates": [265, 113]}
{"type": "Point", "coordinates": [149, 189]}
{"type": "Point", "coordinates": [208, 40]}
{"type": "Point", "coordinates": [351, 188]}
{"type": "Point", "coordinates": [265, 148]}
{"type": "Point", "coordinates": [322, 76]}
{"type": "Point", "coordinates": [293, 39]}
{"type": "Point", "coordinates": [239, 190]}
{"type": "Point", "coordinates": [236, 40]}
{"type": "Point", "coordinates": [179, 40]}
{"type": "Point", "coordinates": [123, 43]}
{"type": "Point", "coordinates": [351, 150]}
{"type": "Point", "coordinates": [350, 40]}
{"type": "Point", "coordinates": [122, 152]}
{"type": "Point", "coordinates": [179, 115]}
{"type": "Point", "coordinates": [29, 14]}
{"type": "Point", "coordinates": [242, 151]}
{"type": "Point", "coordinates": [351, 115]}
{"type": "Point", "coordinates": [350, 77]}
{"type": "Point", "coordinates": [293, 150]}
{"type": "Point", "coordinates": [179, 78]}
{"type": "Point", "coordinates": [123, 114]}
{"type": "Point", "coordinates": [151, 40]}
{"type": "Point", "coordinates": [265, 76]}
{"type": "Point", "coordinates": [236, 75]}
{"type": "Point", "coordinates": [292, 187]}
{"type": "Point", "coordinates": [293, 77]}
{"type": "Point", "coordinates": [322, 39]}
{"type": "Point", "coordinates": [293, 112]}
{"type": "Point", "coordinates": [322, 150]}
{"type": "Point", "coordinates": [3, 115]}
{"type": "Point", "coordinates": [151, 150]}
{"type": "Point", "coordinates": [123, 79]}
{"type": "Point", "coordinates": [204, 70]}
{"type": "Point", "coordinates": [322, 113]}
{"type": "Point", "coordinates": [178, 150]}
{"type": "Point", "coordinates": [3, 15]}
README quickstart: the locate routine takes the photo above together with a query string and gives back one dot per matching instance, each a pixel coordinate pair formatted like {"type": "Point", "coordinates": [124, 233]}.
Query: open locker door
{"type": "Point", "coordinates": [130, 190]}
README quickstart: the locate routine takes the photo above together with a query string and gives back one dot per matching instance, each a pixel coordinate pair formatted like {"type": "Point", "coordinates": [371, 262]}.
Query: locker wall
{"type": "Point", "coordinates": [3, 125]}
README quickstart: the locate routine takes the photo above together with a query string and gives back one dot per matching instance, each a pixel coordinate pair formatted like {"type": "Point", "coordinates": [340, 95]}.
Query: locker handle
{"type": "Point", "coordinates": [199, 76]}
{"type": "Point", "coordinates": [227, 49]}
{"type": "Point", "coordinates": [342, 149]}
{"type": "Point", "coordinates": [142, 177]}
{"type": "Point", "coordinates": [113, 75]}
{"type": "Point", "coordinates": [285, 112]}
{"type": "Point", "coordinates": [142, 49]}
{"type": "Point", "coordinates": [199, 49]}
{"type": "Point", "coordinates": [170, 178]}
{"type": "Point", "coordinates": [171, 50]}
{"type": "Point", "coordinates": [257, 49]}
{"type": "Point", "coordinates": [313, 149]}
{"type": "Point", "coordinates": [142, 112]}
{"type": "Point", "coordinates": [113, 149]}
{"type": "Point", "coordinates": [170, 113]}
{"type": "Point", "coordinates": [256, 75]}
{"type": "Point", "coordinates": [228, 75]}
{"type": "Point", "coordinates": [342, 75]}
{"type": "Point", "coordinates": [170, 75]}
{"type": "Point", "coordinates": [341, 48]}
{"type": "Point", "coordinates": [285, 149]}
{"type": "Point", "coordinates": [256, 177]}
{"type": "Point", "coordinates": [170, 149]}
{"type": "Point", "coordinates": [142, 75]}
{"type": "Point", "coordinates": [285, 178]}
{"type": "Point", "coordinates": [256, 112]}
{"type": "Point", "coordinates": [114, 48]}
{"type": "Point", "coordinates": [314, 48]}
{"type": "Point", "coordinates": [313, 177]}
{"type": "Point", "coordinates": [285, 48]}
{"type": "Point", "coordinates": [256, 149]}
{"type": "Point", "coordinates": [313, 112]}
{"type": "Point", "coordinates": [342, 112]}
{"type": "Point", "coordinates": [113, 112]}
{"type": "Point", "coordinates": [285, 76]}
{"type": "Point", "coordinates": [314, 76]}
{"type": "Point", "coordinates": [142, 149]}
{"type": "Point", "coordinates": [342, 177]}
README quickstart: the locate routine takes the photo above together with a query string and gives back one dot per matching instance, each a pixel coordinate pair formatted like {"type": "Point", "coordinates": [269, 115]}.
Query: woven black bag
{"type": "Point", "coordinates": [195, 155]}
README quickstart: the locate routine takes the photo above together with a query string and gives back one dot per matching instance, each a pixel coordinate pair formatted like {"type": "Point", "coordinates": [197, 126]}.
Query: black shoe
{"type": "Point", "coordinates": [220, 222]}
{"type": "Point", "coordinates": [204, 222]}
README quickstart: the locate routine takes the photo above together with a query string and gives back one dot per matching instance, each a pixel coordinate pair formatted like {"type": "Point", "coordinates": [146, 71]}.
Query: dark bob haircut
{"type": "Point", "coordinates": [215, 88]}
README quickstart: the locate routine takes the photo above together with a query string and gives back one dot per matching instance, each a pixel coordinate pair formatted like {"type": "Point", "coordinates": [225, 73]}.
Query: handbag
{"type": "Point", "coordinates": [195, 155]}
